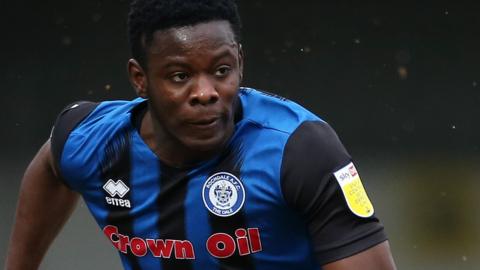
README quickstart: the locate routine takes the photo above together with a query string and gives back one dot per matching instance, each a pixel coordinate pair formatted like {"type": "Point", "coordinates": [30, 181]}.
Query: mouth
{"type": "Point", "coordinates": [205, 123]}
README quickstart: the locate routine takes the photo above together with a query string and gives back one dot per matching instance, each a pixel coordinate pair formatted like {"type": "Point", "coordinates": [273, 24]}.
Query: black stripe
{"type": "Point", "coordinates": [116, 165]}
{"type": "Point", "coordinates": [66, 122]}
{"type": "Point", "coordinates": [231, 162]}
{"type": "Point", "coordinates": [171, 223]}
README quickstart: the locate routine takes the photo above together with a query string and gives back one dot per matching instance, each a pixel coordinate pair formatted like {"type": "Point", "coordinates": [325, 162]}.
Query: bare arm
{"type": "Point", "coordinates": [45, 203]}
{"type": "Point", "coordinates": [377, 257]}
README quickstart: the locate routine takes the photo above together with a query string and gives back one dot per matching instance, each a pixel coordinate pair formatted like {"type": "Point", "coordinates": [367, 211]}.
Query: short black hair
{"type": "Point", "coordinates": [147, 16]}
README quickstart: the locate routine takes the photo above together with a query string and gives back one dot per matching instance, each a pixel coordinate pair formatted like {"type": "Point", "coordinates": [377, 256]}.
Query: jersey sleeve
{"type": "Point", "coordinates": [312, 158]}
{"type": "Point", "coordinates": [68, 119]}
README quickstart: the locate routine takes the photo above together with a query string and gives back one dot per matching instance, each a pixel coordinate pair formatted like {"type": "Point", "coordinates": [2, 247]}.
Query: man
{"type": "Point", "coordinates": [198, 173]}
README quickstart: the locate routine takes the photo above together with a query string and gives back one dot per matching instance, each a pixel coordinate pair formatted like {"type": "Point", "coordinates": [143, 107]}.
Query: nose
{"type": "Point", "coordinates": [204, 92]}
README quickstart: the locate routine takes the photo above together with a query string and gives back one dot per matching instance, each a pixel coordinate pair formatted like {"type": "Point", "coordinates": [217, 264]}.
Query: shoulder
{"type": "Point", "coordinates": [318, 141]}
{"type": "Point", "coordinates": [66, 122]}
{"type": "Point", "coordinates": [312, 153]}
{"type": "Point", "coordinates": [80, 124]}
{"type": "Point", "coordinates": [272, 111]}
{"type": "Point", "coordinates": [81, 113]}
{"type": "Point", "coordinates": [309, 145]}
{"type": "Point", "coordinates": [305, 133]}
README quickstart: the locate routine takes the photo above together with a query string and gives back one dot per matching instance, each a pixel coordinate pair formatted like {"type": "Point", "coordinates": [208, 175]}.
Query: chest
{"type": "Point", "coordinates": [229, 207]}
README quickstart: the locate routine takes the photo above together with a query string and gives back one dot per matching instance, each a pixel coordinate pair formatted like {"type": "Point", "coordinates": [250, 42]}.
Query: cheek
{"type": "Point", "coordinates": [230, 95]}
{"type": "Point", "coordinates": [165, 106]}
{"type": "Point", "coordinates": [163, 95]}
{"type": "Point", "coordinates": [230, 88]}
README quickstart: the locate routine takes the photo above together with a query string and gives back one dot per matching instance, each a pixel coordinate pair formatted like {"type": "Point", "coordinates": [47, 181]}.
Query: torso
{"type": "Point", "coordinates": [227, 213]}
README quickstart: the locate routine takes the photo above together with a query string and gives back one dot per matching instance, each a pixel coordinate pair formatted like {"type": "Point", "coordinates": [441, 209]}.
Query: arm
{"type": "Point", "coordinates": [326, 190]}
{"type": "Point", "coordinates": [45, 203]}
{"type": "Point", "coordinates": [378, 257]}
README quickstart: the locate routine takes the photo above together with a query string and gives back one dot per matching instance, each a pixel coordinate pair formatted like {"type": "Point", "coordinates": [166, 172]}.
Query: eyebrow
{"type": "Point", "coordinates": [178, 63]}
{"type": "Point", "coordinates": [223, 54]}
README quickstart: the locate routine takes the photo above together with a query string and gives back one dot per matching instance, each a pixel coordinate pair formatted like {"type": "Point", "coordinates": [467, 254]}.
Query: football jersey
{"type": "Point", "coordinates": [284, 193]}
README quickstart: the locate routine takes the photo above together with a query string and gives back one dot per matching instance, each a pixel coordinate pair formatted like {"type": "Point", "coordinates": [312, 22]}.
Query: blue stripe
{"type": "Point", "coordinates": [145, 174]}
{"type": "Point", "coordinates": [196, 222]}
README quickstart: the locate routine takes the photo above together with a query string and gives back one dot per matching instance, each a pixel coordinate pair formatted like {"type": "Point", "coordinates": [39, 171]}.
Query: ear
{"type": "Point", "coordinates": [137, 78]}
{"type": "Point", "coordinates": [241, 57]}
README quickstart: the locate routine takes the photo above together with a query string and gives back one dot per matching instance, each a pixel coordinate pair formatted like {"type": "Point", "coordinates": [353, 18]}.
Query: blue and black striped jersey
{"type": "Point", "coordinates": [273, 199]}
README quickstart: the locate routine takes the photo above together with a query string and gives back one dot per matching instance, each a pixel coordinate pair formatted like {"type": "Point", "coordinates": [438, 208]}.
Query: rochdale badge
{"type": "Point", "coordinates": [223, 194]}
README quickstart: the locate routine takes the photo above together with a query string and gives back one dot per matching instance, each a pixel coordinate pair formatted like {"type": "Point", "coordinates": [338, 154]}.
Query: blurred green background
{"type": "Point", "coordinates": [399, 81]}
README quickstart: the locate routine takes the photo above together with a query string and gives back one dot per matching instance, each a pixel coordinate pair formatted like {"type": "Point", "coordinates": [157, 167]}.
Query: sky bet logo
{"type": "Point", "coordinates": [116, 189]}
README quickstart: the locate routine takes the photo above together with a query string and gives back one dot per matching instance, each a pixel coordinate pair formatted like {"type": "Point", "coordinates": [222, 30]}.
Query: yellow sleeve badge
{"type": "Point", "coordinates": [353, 191]}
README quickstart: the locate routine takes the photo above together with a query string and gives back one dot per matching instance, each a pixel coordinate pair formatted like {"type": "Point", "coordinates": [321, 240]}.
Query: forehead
{"type": "Point", "coordinates": [199, 36]}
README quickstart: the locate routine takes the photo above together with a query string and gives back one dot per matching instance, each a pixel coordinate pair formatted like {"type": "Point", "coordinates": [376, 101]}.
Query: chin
{"type": "Point", "coordinates": [207, 145]}
{"type": "Point", "coordinates": [209, 140]}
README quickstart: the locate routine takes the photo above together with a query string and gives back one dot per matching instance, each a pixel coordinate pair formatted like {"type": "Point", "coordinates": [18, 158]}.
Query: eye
{"type": "Point", "coordinates": [179, 77]}
{"type": "Point", "coordinates": [222, 71]}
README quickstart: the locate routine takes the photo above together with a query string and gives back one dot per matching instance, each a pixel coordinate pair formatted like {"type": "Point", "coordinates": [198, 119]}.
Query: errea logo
{"type": "Point", "coordinates": [116, 188]}
{"type": "Point", "coordinates": [119, 189]}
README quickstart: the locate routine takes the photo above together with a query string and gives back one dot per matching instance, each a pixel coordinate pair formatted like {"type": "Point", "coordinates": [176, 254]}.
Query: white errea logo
{"type": "Point", "coordinates": [116, 188]}
{"type": "Point", "coordinates": [119, 189]}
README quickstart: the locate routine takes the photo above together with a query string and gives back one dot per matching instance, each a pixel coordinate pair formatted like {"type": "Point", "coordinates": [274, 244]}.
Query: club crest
{"type": "Point", "coordinates": [223, 194]}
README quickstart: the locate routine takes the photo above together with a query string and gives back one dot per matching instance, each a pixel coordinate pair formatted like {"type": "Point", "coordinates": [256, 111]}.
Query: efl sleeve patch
{"type": "Point", "coordinates": [353, 191]}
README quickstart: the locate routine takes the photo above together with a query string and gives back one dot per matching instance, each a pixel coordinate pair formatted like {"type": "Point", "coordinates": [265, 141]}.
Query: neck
{"type": "Point", "coordinates": [168, 148]}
